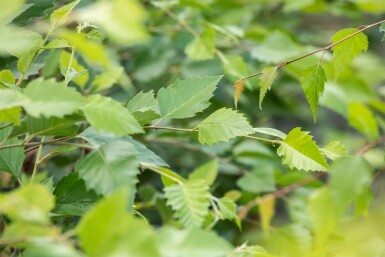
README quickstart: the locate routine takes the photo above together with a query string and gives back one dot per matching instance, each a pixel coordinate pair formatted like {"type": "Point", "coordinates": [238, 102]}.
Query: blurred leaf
{"type": "Point", "coordinates": [109, 167]}
{"type": "Point", "coordinates": [11, 159]}
{"type": "Point", "coordinates": [207, 171]}
{"type": "Point", "coordinates": [299, 151]}
{"type": "Point", "coordinates": [222, 125]}
{"type": "Point", "coordinates": [191, 242]}
{"type": "Point", "coordinates": [271, 132]}
{"type": "Point", "coordinates": [228, 210]}
{"type": "Point", "coordinates": [168, 176]}
{"type": "Point", "coordinates": [190, 200]}
{"type": "Point", "coordinates": [72, 197]}
{"type": "Point", "coordinates": [266, 212]}
{"type": "Point", "coordinates": [185, 98]}
{"type": "Point", "coordinates": [266, 80]}
{"type": "Point", "coordinates": [238, 88]}
{"type": "Point", "coordinates": [11, 115]}
{"type": "Point", "coordinates": [260, 179]}
{"type": "Point", "coordinates": [202, 47]}
{"type": "Point", "coordinates": [122, 20]}
{"type": "Point", "coordinates": [10, 10]}
{"type": "Point", "coordinates": [363, 201]}
{"type": "Point", "coordinates": [313, 82]}
{"type": "Point", "coordinates": [361, 118]}
{"type": "Point", "coordinates": [101, 236]}
{"type": "Point", "coordinates": [346, 51]}
{"type": "Point", "coordinates": [51, 249]}
{"type": "Point", "coordinates": [382, 29]}
{"type": "Point", "coordinates": [52, 126]}
{"type": "Point", "coordinates": [30, 203]}
{"type": "Point", "coordinates": [15, 40]}
{"type": "Point", "coordinates": [334, 150]}
{"type": "Point", "coordinates": [49, 98]}
{"type": "Point", "coordinates": [108, 115]}
{"type": "Point", "coordinates": [60, 16]}
{"type": "Point", "coordinates": [349, 176]}
{"type": "Point", "coordinates": [19, 231]}
{"type": "Point", "coordinates": [57, 43]}
{"type": "Point", "coordinates": [247, 251]}
{"type": "Point", "coordinates": [107, 78]}
{"type": "Point", "coordinates": [78, 73]}
{"type": "Point", "coordinates": [29, 54]}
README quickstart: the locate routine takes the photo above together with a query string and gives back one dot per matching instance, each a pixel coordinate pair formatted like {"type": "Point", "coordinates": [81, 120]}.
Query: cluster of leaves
{"type": "Point", "coordinates": [94, 163]}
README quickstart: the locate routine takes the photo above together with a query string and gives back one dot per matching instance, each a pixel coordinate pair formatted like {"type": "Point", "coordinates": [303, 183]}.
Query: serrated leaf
{"type": "Point", "coordinates": [346, 51]}
{"type": "Point", "coordinates": [49, 98]}
{"type": "Point", "coordinates": [207, 171]}
{"type": "Point", "coordinates": [142, 102]}
{"type": "Point", "coordinates": [313, 82]}
{"type": "Point", "coordinates": [60, 16]}
{"type": "Point", "coordinates": [109, 230]}
{"type": "Point", "coordinates": [266, 80]}
{"type": "Point", "coordinates": [72, 196]}
{"type": "Point", "coordinates": [192, 242]}
{"type": "Point", "coordinates": [334, 150]}
{"type": "Point", "coordinates": [30, 203]}
{"type": "Point", "coordinates": [11, 159]}
{"type": "Point", "coordinates": [222, 125]}
{"type": "Point", "coordinates": [185, 98]}
{"type": "Point", "coordinates": [299, 151]}
{"type": "Point", "coordinates": [361, 118]}
{"type": "Point", "coordinates": [108, 115]}
{"type": "Point", "coordinates": [202, 47]}
{"type": "Point", "coordinates": [271, 132]}
{"type": "Point", "coordinates": [266, 212]}
{"type": "Point", "coordinates": [109, 167]}
{"type": "Point", "coordinates": [190, 201]}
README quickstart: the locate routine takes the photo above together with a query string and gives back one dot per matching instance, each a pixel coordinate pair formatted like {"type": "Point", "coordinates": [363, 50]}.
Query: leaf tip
{"type": "Point", "coordinates": [238, 87]}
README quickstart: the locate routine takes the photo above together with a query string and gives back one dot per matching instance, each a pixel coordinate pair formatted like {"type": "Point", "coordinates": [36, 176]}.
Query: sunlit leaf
{"type": "Point", "coordinates": [202, 47]}
{"type": "Point", "coordinates": [334, 150]}
{"type": "Point", "coordinates": [361, 118]}
{"type": "Point", "coordinates": [207, 171]}
{"type": "Point", "coordinates": [60, 16]}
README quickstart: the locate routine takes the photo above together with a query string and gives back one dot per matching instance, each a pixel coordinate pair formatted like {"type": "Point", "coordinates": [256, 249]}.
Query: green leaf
{"type": "Point", "coordinates": [11, 115]}
{"type": "Point", "coordinates": [202, 47]}
{"type": "Point", "coordinates": [52, 126]}
{"type": "Point", "coordinates": [77, 74]}
{"type": "Point", "coordinates": [28, 55]}
{"type": "Point", "coordinates": [260, 179]}
{"type": "Point", "coordinates": [30, 203]}
{"type": "Point", "coordinates": [192, 242]}
{"type": "Point", "coordinates": [266, 80]}
{"type": "Point", "coordinates": [72, 196]}
{"type": "Point", "coordinates": [313, 82]}
{"type": "Point", "coordinates": [349, 177]}
{"type": "Point", "coordinates": [361, 118]}
{"type": "Point", "coordinates": [301, 152]}
{"type": "Point", "coordinates": [11, 159]}
{"type": "Point", "coordinates": [185, 98]}
{"type": "Point", "coordinates": [334, 150]}
{"type": "Point", "coordinates": [382, 29]}
{"type": "Point", "coordinates": [222, 125]}
{"type": "Point", "coordinates": [228, 210]}
{"type": "Point", "coordinates": [108, 230]}
{"type": "Point", "coordinates": [142, 102]}
{"type": "Point", "coordinates": [49, 98]}
{"type": "Point", "coordinates": [207, 171]}
{"type": "Point", "coordinates": [108, 115]}
{"type": "Point", "coordinates": [266, 212]}
{"type": "Point", "coordinates": [346, 51]}
{"type": "Point", "coordinates": [107, 78]}
{"type": "Point", "coordinates": [60, 16]}
{"type": "Point", "coordinates": [322, 216]}
{"type": "Point", "coordinates": [51, 249]}
{"type": "Point", "coordinates": [10, 10]}
{"type": "Point", "coordinates": [15, 40]}
{"type": "Point", "coordinates": [109, 167]}
{"type": "Point", "coordinates": [57, 43]}
{"type": "Point", "coordinates": [248, 251]}
{"type": "Point", "coordinates": [271, 132]}
{"type": "Point", "coordinates": [10, 99]}
{"type": "Point", "coordinates": [190, 201]}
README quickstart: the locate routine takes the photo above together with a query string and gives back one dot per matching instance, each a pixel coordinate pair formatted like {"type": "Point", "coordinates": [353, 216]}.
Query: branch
{"type": "Point", "coordinates": [326, 48]}
{"type": "Point", "coordinates": [53, 142]}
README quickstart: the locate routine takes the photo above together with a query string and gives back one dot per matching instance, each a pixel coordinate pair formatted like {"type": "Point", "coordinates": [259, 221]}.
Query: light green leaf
{"type": "Point", "coordinates": [11, 98]}
{"type": "Point", "coordinates": [185, 98]}
{"type": "Point", "coordinates": [142, 102]}
{"type": "Point", "coordinates": [168, 176]}
{"type": "Point", "coordinates": [51, 126]}
{"type": "Point", "coordinates": [107, 78]}
{"type": "Point", "coordinates": [51, 99]}
{"type": "Point", "coordinates": [28, 55]}
{"type": "Point", "coordinates": [11, 159]}
{"type": "Point", "coordinates": [247, 251]}
{"type": "Point", "coordinates": [322, 216]}
{"type": "Point", "coordinates": [145, 117]}
{"type": "Point", "coordinates": [266, 80]}
{"type": "Point", "coordinates": [29, 203]}
{"type": "Point", "coordinates": [108, 115]}
{"type": "Point", "coordinates": [349, 177]}
{"type": "Point", "coordinates": [60, 16]}
{"type": "Point", "coordinates": [10, 10]}
{"type": "Point", "coordinates": [77, 74]}
{"type": "Point", "coordinates": [192, 242]}
{"type": "Point", "coordinates": [11, 115]}
{"type": "Point", "coordinates": [222, 125]}
{"type": "Point", "coordinates": [190, 201]}
{"type": "Point", "coordinates": [57, 43]}
{"type": "Point", "coordinates": [122, 20]}
{"type": "Point", "coordinates": [51, 249]}
{"type": "Point", "coordinates": [301, 152]}
{"type": "Point", "coordinates": [109, 230]}
{"type": "Point", "coordinates": [271, 132]}
{"type": "Point", "coordinates": [260, 179]}
{"type": "Point", "coordinates": [361, 118]}
{"type": "Point", "coordinates": [313, 82]}
{"type": "Point", "coordinates": [17, 231]}
{"type": "Point", "coordinates": [266, 212]}
{"type": "Point", "coordinates": [334, 150]}
{"type": "Point", "coordinates": [6, 77]}
{"type": "Point", "coordinates": [228, 210]}
{"type": "Point", "coordinates": [207, 171]}
{"type": "Point", "coordinates": [202, 47]}
{"type": "Point", "coordinates": [72, 196]}
{"type": "Point", "coordinates": [346, 51]}
{"type": "Point", "coordinates": [109, 167]}
{"type": "Point", "coordinates": [15, 40]}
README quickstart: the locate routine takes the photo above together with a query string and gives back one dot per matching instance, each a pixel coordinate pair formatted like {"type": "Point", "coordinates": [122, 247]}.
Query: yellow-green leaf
{"type": "Point", "coordinates": [202, 47]}
{"type": "Point", "coordinates": [266, 80]}
{"type": "Point", "coordinates": [361, 118]}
